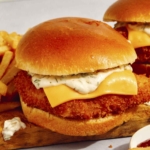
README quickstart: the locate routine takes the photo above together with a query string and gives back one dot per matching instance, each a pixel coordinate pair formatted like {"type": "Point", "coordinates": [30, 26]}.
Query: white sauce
{"type": "Point", "coordinates": [145, 27]}
{"type": "Point", "coordinates": [83, 83]}
{"type": "Point", "coordinates": [147, 103]}
{"type": "Point", "coordinates": [11, 126]}
{"type": "Point", "coordinates": [141, 27]}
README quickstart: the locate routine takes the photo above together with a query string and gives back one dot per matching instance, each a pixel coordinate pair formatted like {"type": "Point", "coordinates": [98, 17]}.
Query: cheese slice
{"type": "Point", "coordinates": [123, 82]}
{"type": "Point", "coordinates": [138, 38]}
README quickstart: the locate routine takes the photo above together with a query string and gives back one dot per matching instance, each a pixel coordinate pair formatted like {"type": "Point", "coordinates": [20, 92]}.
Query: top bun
{"type": "Point", "coordinates": [72, 45]}
{"type": "Point", "coordinates": [128, 11]}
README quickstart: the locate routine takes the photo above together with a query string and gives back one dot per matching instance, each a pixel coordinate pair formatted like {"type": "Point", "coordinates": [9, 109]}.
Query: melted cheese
{"type": "Point", "coordinates": [83, 83]}
{"type": "Point", "coordinates": [138, 38]}
{"type": "Point", "coordinates": [123, 82]}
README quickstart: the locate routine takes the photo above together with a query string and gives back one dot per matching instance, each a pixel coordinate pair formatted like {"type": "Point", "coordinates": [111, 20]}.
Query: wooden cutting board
{"type": "Point", "coordinates": [34, 136]}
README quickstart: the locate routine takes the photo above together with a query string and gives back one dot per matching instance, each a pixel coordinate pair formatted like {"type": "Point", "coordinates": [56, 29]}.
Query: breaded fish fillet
{"type": "Point", "coordinates": [82, 109]}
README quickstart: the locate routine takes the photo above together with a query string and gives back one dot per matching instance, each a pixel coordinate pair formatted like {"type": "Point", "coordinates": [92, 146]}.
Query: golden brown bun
{"type": "Point", "coordinates": [66, 46]}
{"type": "Point", "coordinates": [128, 11]}
{"type": "Point", "coordinates": [74, 127]}
{"type": "Point", "coordinates": [142, 112]}
{"type": "Point", "coordinates": [140, 148]}
{"type": "Point", "coordinates": [141, 68]}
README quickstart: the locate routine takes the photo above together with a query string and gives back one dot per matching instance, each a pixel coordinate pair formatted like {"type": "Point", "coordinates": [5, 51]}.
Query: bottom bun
{"type": "Point", "coordinates": [34, 136]}
{"type": "Point", "coordinates": [74, 127]}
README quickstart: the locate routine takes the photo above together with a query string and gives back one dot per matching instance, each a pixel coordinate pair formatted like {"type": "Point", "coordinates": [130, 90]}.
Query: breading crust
{"type": "Point", "coordinates": [82, 109]}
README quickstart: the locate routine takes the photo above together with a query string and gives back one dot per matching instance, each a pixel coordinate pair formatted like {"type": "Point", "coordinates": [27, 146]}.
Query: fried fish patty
{"type": "Point", "coordinates": [82, 109]}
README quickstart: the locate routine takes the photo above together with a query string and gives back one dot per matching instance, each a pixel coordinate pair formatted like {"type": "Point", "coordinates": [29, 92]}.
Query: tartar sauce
{"type": "Point", "coordinates": [11, 126]}
{"type": "Point", "coordinates": [83, 83]}
{"type": "Point", "coordinates": [145, 27]}
{"type": "Point", "coordinates": [147, 103]}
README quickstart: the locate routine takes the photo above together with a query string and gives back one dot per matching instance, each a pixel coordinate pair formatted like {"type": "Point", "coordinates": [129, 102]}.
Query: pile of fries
{"type": "Point", "coordinates": [8, 45]}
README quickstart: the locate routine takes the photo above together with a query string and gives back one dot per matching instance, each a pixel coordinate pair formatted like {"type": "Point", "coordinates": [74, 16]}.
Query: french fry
{"type": "Point", "coordinates": [3, 49]}
{"type": "Point", "coordinates": [2, 41]}
{"type": "Point", "coordinates": [11, 72]}
{"type": "Point", "coordinates": [3, 88]}
{"type": "Point", "coordinates": [8, 45]}
{"type": "Point", "coordinates": [8, 55]}
{"type": "Point", "coordinates": [3, 34]}
{"type": "Point", "coordinates": [9, 105]}
{"type": "Point", "coordinates": [14, 39]}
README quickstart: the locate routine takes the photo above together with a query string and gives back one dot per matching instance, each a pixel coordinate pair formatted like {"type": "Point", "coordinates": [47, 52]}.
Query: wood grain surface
{"type": "Point", "coordinates": [34, 136]}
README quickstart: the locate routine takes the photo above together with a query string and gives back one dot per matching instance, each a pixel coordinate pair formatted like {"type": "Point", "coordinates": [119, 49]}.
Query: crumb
{"type": "Point", "coordinates": [110, 146]}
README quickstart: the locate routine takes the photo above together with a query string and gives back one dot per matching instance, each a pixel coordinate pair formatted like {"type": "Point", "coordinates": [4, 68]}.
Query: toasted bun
{"type": "Point", "coordinates": [140, 148]}
{"type": "Point", "coordinates": [74, 127]}
{"type": "Point", "coordinates": [128, 11]}
{"type": "Point", "coordinates": [66, 46]}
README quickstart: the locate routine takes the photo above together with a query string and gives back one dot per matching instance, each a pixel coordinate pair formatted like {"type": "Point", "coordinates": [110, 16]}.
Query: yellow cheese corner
{"type": "Point", "coordinates": [117, 83]}
{"type": "Point", "coordinates": [138, 38]}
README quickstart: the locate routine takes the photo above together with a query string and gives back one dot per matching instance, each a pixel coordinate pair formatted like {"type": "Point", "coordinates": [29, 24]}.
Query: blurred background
{"type": "Point", "coordinates": [20, 15]}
